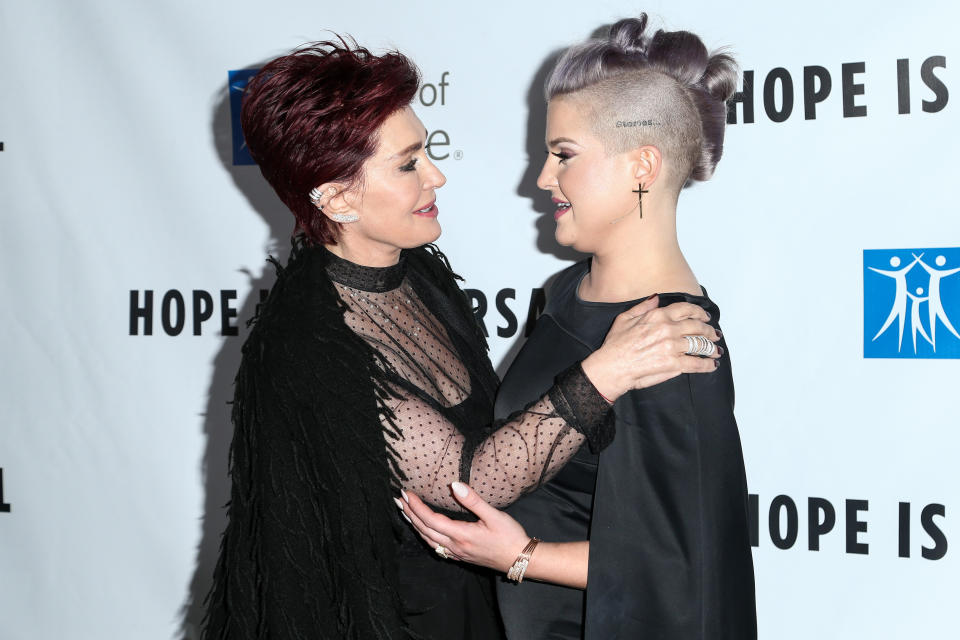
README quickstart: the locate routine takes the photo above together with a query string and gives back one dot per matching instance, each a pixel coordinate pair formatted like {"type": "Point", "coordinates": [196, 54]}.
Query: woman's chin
{"type": "Point", "coordinates": [563, 239]}
{"type": "Point", "coordinates": [428, 235]}
{"type": "Point", "coordinates": [436, 234]}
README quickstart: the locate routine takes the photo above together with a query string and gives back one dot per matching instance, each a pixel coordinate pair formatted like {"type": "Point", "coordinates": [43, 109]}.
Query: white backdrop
{"type": "Point", "coordinates": [116, 176]}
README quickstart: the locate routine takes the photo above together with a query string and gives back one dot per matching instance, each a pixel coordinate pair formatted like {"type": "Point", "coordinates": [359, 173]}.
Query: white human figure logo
{"type": "Point", "coordinates": [934, 304]}
{"type": "Point", "coordinates": [899, 309]}
{"type": "Point", "coordinates": [915, 317]}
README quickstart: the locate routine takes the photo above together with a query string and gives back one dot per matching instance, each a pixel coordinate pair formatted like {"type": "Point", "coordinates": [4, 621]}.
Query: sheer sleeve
{"type": "Point", "coordinates": [438, 443]}
{"type": "Point", "coordinates": [518, 455]}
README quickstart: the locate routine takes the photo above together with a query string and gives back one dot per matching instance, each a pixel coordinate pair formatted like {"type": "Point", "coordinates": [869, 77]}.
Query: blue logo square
{"type": "Point", "coordinates": [237, 81]}
{"type": "Point", "coordinates": [911, 303]}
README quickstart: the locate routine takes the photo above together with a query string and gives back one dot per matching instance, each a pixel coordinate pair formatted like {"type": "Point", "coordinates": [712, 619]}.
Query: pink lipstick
{"type": "Point", "coordinates": [562, 207]}
{"type": "Point", "coordinates": [430, 211]}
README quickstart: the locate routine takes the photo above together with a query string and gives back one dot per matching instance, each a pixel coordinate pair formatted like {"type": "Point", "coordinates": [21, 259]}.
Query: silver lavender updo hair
{"type": "Point", "coordinates": [666, 90]}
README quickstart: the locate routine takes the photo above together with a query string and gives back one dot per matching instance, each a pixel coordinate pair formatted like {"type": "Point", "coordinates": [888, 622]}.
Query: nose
{"type": "Point", "coordinates": [548, 176]}
{"type": "Point", "coordinates": [433, 177]}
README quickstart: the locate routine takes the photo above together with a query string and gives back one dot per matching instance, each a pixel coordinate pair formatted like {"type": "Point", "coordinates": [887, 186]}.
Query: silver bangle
{"type": "Point", "coordinates": [519, 567]}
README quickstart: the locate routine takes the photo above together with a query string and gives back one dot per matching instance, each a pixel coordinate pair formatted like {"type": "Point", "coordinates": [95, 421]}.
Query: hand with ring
{"type": "Point", "coordinates": [492, 541]}
{"type": "Point", "coordinates": [648, 344]}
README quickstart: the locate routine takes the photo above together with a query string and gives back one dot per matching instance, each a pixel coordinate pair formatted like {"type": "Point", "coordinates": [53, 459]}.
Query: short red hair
{"type": "Point", "coordinates": [312, 116]}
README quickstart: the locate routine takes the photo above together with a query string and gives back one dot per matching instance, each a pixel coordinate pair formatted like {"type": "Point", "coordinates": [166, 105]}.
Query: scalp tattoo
{"type": "Point", "coordinates": [638, 123]}
{"type": "Point", "coordinates": [670, 77]}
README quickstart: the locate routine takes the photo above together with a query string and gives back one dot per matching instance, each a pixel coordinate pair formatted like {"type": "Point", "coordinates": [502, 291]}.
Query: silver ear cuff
{"type": "Point", "coordinates": [342, 218]}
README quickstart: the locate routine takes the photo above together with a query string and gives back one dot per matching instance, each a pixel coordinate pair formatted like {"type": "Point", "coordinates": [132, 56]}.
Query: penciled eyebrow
{"type": "Point", "coordinates": [416, 146]}
{"type": "Point", "coordinates": [557, 141]}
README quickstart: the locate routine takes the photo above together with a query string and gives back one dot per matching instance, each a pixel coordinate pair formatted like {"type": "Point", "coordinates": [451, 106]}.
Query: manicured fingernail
{"type": "Point", "coordinates": [720, 350]}
{"type": "Point", "coordinates": [719, 333]}
{"type": "Point", "coordinates": [460, 489]}
{"type": "Point", "coordinates": [716, 363]}
{"type": "Point", "coordinates": [406, 517]}
{"type": "Point", "coordinates": [404, 494]}
{"type": "Point", "coordinates": [399, 504]}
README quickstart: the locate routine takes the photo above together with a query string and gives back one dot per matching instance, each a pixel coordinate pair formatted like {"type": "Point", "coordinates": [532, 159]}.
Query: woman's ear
{"type": "Point", "coordinates": [334, 198]}
{"type": "Point", "coordinates": [646, 163]}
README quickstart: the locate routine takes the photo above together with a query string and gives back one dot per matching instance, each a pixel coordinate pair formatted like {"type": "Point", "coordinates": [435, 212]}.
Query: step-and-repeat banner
{"type": "Point", "coordinates": [135, 231]}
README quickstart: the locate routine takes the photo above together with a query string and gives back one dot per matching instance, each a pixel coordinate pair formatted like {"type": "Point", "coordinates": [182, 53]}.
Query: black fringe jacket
{"type": "Point", "coordinates": [308, 457]}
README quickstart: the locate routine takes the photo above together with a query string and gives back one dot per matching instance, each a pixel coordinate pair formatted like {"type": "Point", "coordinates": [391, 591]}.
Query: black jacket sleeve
{"type": "Point", "coordinates": [670, 556]}
{"type": "Point", "coordinates": [309, 550]}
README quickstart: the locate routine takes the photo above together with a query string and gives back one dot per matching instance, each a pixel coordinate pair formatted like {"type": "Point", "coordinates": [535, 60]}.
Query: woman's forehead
{"type": "Point", "coordinates": [399, 132]}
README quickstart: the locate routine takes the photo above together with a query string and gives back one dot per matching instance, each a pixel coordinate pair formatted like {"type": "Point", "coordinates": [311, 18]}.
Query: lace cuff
{"type": "Point", "coordinates": [582, 407]}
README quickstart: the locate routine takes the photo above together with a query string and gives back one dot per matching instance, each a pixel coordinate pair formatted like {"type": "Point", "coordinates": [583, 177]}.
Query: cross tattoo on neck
{"type": "Point", "coordinates": [640, 191]}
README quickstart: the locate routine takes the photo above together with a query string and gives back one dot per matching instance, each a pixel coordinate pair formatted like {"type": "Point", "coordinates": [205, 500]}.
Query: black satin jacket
{"type": "Point", "coordinates": [664, 507]}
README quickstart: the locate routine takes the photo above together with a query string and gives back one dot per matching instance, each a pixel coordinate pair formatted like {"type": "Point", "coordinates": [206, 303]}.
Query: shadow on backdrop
{"type": "Point", "coordinates": [535, 146]}
{"type": "Point", "coordinates": [217, 427]}
{"type": "Point", "coordinates": [540, 201]}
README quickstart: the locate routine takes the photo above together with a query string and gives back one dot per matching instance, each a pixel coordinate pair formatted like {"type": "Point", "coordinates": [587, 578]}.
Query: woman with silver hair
{"type": "Point", "coordinates": [649, 538]}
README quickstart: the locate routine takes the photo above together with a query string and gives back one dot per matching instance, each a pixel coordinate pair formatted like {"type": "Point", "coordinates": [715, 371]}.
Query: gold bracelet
{"type": "Point", "coordinates": [519, 567]}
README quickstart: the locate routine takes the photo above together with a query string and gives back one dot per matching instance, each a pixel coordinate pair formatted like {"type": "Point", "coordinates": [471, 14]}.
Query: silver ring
{"type": "Point", "coordinates": [700, 346]}
{"type": "Point", "coordinates": [442, 552]}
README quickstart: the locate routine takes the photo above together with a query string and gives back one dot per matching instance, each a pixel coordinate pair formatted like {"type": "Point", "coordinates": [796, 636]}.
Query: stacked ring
{"type": "Point", "coordinates": [700, 346]}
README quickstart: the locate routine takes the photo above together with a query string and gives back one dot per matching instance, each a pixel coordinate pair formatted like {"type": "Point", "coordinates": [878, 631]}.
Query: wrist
{"type": "Point", "coordinates": [598, 374]}
{"type": "Point", "coordinates": [510, 551]}
{"type": "Point", "coordinates": [519, 566]}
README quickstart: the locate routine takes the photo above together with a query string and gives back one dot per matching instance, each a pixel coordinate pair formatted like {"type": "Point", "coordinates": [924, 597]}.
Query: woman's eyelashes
{"type": "Point", "coordinates": [410, 166]}
{"type": "Point", "coordinates": [563, 155]}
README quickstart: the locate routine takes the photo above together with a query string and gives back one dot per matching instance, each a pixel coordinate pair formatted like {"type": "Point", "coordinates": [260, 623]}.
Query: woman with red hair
{"type": "Point", "coordinates": [365, 372]}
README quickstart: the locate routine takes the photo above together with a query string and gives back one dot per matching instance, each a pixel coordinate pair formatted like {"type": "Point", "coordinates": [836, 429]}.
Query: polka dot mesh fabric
{"type": "Point", "coordinates": [514, 457]}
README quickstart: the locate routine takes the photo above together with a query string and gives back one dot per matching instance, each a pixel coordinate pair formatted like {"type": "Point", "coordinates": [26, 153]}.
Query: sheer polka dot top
{"type": "Point", "coordinates": [513, 456]}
